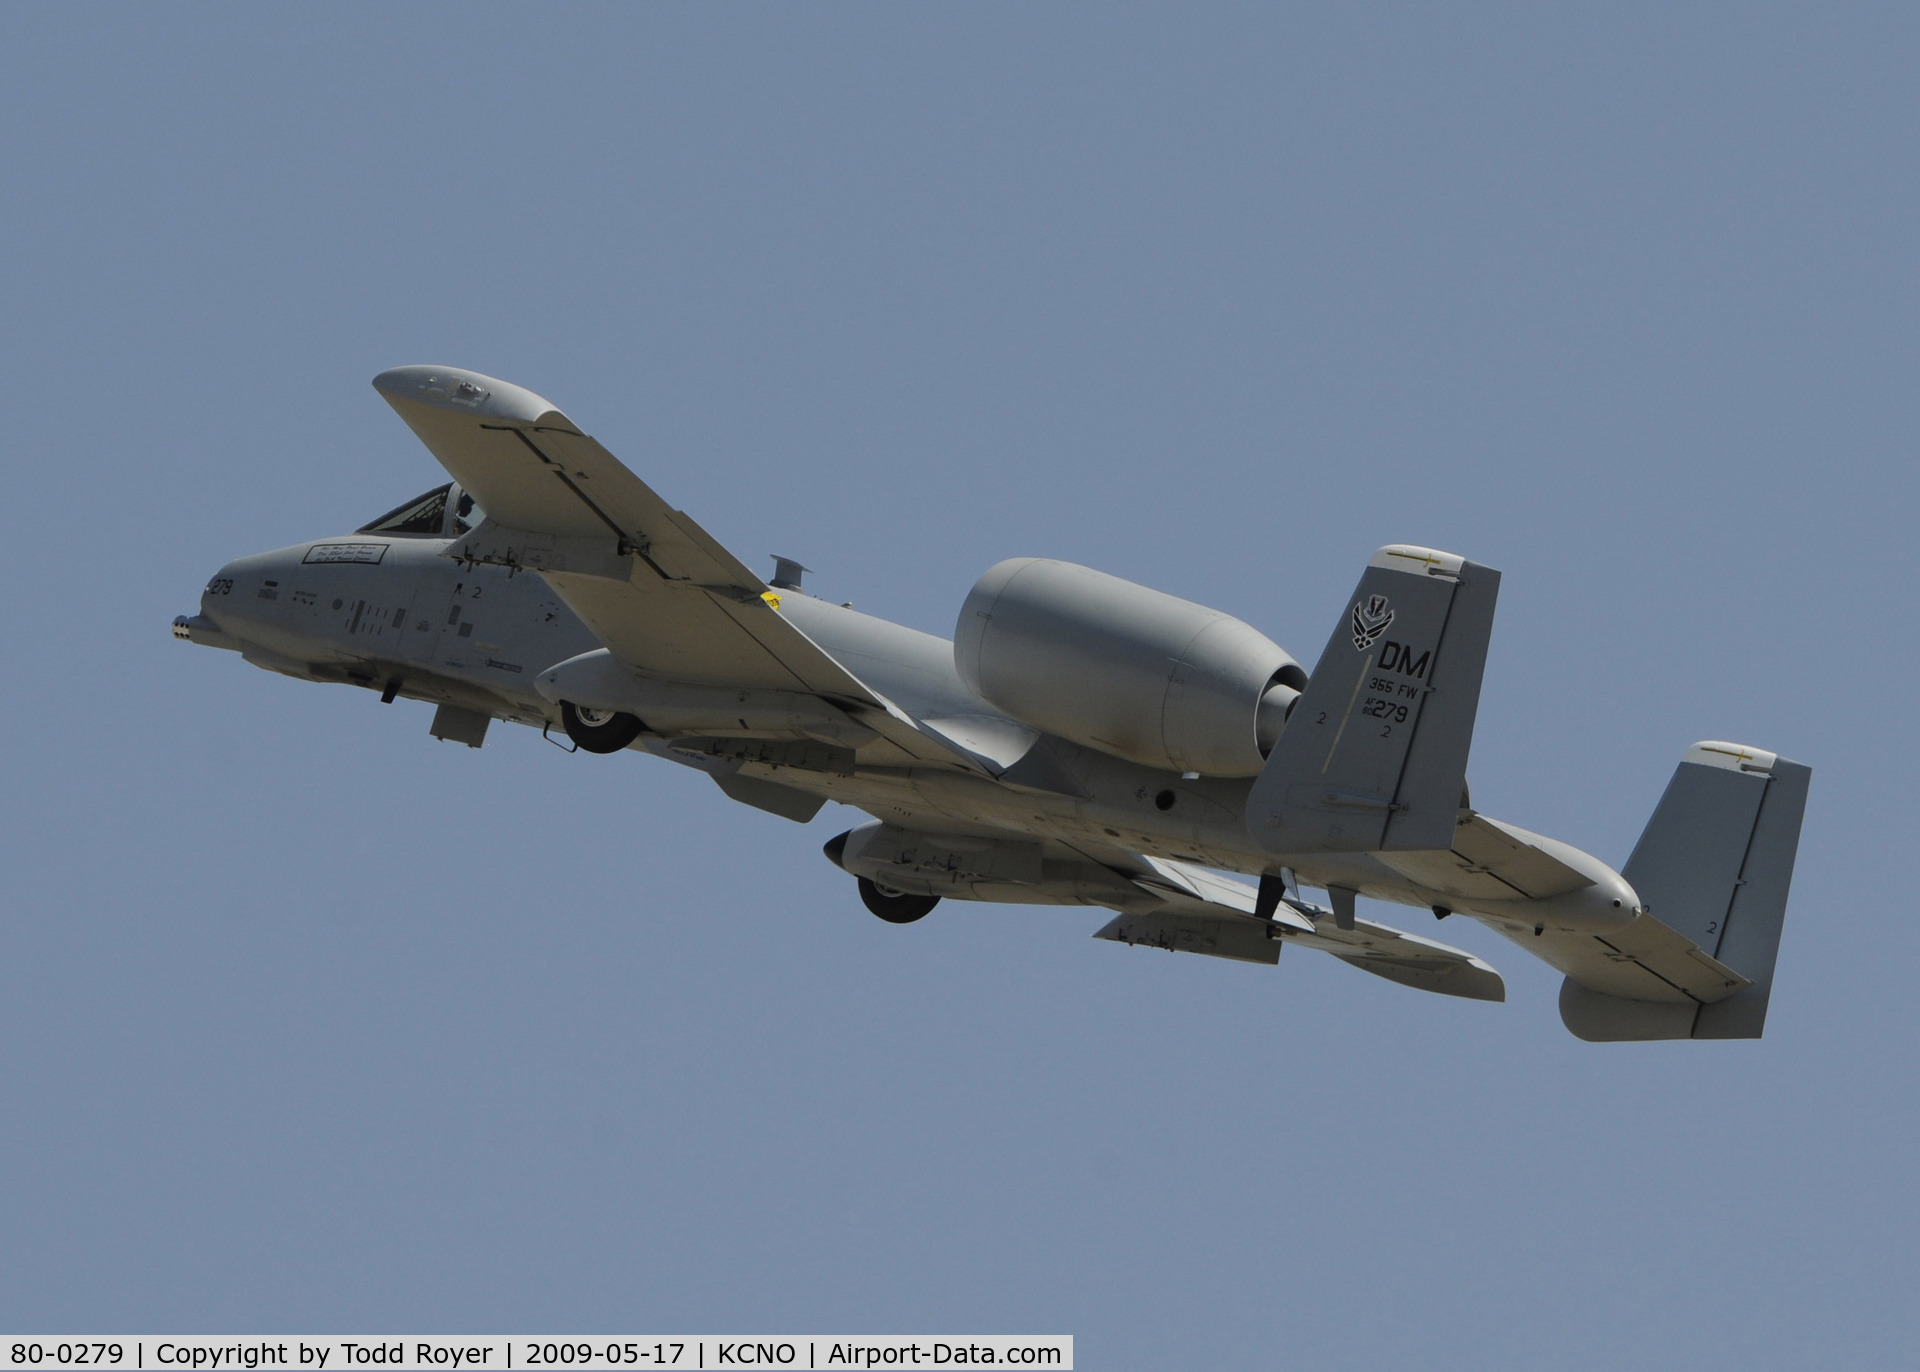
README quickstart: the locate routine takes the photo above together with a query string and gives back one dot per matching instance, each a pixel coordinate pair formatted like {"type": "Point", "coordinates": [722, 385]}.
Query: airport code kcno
{"type": "Point", "coordinates": [226, 1354]}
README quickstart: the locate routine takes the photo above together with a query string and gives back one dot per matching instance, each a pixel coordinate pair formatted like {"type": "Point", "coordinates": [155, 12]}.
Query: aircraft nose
{"type": "Point", "coordinates": [238, 599]}
{"type": "Point", "coordinates": [220, 586]}
{"type": "Point", "coordinates": [205, 628]}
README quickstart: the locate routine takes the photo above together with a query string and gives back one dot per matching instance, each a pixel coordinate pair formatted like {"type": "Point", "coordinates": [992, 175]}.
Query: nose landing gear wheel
{"type": "Point", "coordinates": [895, 907]}
{"type": "Point", "coordinates": [598, 731]}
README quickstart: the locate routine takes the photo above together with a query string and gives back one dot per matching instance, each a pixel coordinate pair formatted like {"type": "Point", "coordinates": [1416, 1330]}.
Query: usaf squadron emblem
{"type": "Point", "coordinates": [1370, 621]}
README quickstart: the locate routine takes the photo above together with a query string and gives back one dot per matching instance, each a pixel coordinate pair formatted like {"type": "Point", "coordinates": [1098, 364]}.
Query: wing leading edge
{"type": "Point", "coordinates": [661, 593]}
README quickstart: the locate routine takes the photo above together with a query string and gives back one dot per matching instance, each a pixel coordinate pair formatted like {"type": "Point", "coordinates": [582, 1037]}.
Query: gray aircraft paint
{"type": "Point", "coordinates": [788, 701]}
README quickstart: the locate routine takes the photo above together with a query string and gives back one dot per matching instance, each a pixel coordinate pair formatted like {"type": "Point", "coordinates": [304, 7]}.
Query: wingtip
{"type": "Point", "coordinates": [1488, 985]}
{"type": "Point", "coordinates": [457, 389]}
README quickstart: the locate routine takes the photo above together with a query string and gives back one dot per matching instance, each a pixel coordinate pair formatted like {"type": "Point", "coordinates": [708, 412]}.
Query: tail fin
{"type": "Point", "coordinates": [1714, 865]}
{"type": "Point", "coordinates": [1374, 755]}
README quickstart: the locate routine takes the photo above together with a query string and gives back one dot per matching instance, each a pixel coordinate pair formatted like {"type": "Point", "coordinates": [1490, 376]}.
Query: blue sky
{"type": "Point", "coordinates": [309, 1022]}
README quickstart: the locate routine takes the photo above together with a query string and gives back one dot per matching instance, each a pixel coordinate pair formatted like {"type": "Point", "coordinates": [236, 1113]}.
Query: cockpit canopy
{"type": "Point", "coordinates": [443, 512]}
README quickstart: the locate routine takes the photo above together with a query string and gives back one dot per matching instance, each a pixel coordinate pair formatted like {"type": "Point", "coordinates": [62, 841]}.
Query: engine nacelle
{"type": "Point", "coordinates": [1123, 668]}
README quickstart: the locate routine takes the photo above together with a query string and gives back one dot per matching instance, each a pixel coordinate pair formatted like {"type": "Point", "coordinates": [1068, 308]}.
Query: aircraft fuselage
{"type": "Point", "coordinates": [1082, 740]}
{"type": "Point", "coordinates": [394, 616]}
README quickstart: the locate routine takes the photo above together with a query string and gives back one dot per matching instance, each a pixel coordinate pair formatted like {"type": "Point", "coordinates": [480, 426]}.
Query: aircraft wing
{"type": "Point", "coordinates": [657, 589]}
{"type": "Point", "coordinates": [1203, 912]}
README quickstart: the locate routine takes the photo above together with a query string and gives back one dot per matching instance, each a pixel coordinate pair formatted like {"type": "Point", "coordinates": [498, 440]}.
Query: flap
{"type": "Point", "coordinates": [1408, 959]}
{"type": "Point", "coordinates": [1186, 886]}
{"type": "Point", "coordinates": [1205, 912]}
{"type": "Point", "coordinates": [1221, 936]}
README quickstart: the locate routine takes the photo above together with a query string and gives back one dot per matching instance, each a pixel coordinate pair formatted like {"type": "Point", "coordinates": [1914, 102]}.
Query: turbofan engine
{"type": "Point", "coordinates": [1123, 668]}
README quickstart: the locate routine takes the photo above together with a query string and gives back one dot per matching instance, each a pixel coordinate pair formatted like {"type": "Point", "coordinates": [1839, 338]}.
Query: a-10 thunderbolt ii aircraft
{"type": "Point", "coordinates": [1081, 741]}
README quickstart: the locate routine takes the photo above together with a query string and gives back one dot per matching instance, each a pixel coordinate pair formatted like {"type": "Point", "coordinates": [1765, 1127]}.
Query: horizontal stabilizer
{"type": "Point", "coordinates": [1645, 960]}
{"type": "Point", "coordinates": [1374, 754]}
{"type": "Point", "coordinates": [1490, 861]}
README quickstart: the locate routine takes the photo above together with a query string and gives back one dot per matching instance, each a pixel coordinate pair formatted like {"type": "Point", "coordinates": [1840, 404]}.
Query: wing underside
{"type": "Point", "coordinates": [1199, 911]}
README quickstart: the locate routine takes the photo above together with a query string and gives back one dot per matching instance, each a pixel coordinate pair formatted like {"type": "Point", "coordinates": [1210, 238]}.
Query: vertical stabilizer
{"type": "Point", "coordinates": [1374, 755]}
{"type": "Point", "coordinates": [1715, 865]}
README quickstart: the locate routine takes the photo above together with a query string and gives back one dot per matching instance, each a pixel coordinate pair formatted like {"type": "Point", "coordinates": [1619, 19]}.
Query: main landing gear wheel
{"type": "Point", "coordinates": [895, 907]}
{"type": "Point", "coordinates": [598, 731]}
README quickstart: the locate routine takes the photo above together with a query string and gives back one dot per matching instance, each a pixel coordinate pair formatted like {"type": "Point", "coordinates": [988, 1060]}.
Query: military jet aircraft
{"type": "Point", "coordinates": [1082, 740]}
